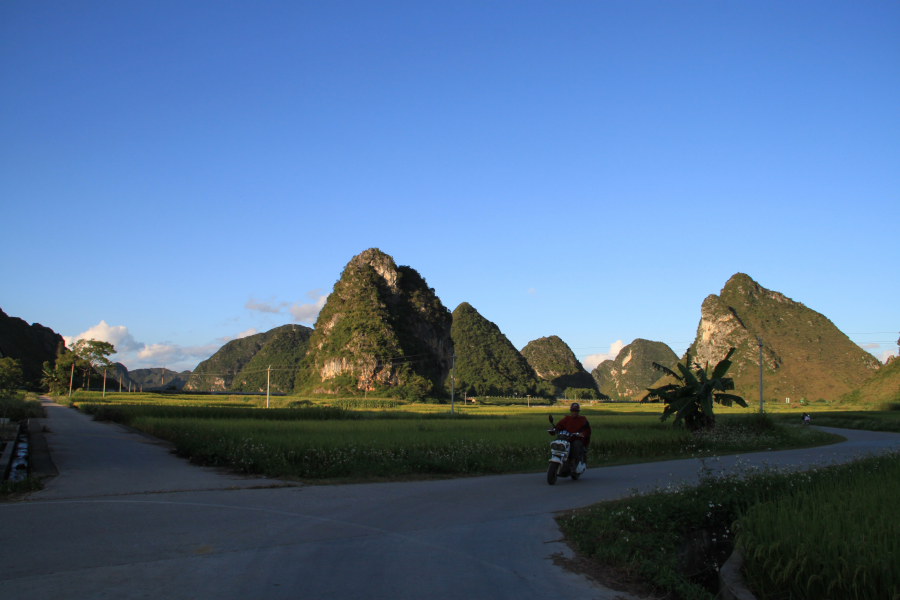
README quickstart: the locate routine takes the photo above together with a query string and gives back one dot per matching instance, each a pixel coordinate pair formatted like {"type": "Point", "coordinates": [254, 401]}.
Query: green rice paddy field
{"type": "Point", "coordinates": [311, 441]}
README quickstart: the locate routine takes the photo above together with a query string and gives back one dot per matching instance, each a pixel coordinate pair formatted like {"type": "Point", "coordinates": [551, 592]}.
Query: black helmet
{"type": "Point", "coordinates": [575, 406]}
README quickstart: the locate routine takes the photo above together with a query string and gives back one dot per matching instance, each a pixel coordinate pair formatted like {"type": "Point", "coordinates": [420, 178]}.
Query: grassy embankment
{"type": "Point", "coordinates": [884, 420]}
{"type": "Point", "coordinates": [323, 442]}
{"type": "Point", "coordinates": [21, 406]}
{"type": "Point", "coordinates": [822, 533]}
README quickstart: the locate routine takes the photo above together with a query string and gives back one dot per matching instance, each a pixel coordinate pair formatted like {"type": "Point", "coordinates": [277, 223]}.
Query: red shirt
{"type": "Point", "coordinates": [575, 425]}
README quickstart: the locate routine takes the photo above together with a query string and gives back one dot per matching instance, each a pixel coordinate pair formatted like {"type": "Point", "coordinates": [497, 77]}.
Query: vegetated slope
{"type": "Point", "coordinates": [487, 364]}
{"type": "Point", "coordinates": [804, 354]}
{"type": "Point", "coordinates": [283, 351]}
{"type": "Point", "coordinates": [553, 360]}
{"type": "Point", "coordinates": [159, 377]}
{"type": "Point", "coordinates": [632, 372]}
{"type": "Point", "coordinates": [217, 373]}
{"type": "Point", "coordinates": [31, 345]}
{"type": "Point", "coordinates": [382, 331]}
{"type": "Point", "coordinates": [883, 386]}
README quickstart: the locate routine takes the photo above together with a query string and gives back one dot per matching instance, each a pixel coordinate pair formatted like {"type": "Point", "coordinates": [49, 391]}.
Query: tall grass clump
{"type": "Point", "coordinates": [674, 539]}
{"type": "Point", "coordinates": [22, 405]}
{"type": "Point", "coordinates": [836, 537]}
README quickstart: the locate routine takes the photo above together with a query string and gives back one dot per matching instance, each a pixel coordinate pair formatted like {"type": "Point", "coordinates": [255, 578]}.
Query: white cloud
{"type": "Point", "coordinates": [265, 307]}
{"type": "Point", "coordinates": [173, 355]}
{"type": "Point", "coordinates": [530, 291]}
{"type": "Point", "coordinates": [869, 346]}
{"type": "Point", "coordinates": [591, 361]}
{"type": "Point", "coordinates": [301, 312]}
{"type": "Point", "coordinates": [138, 355]}
{"type": "Point", "coordinates": [887, 354]}
{"type": "Point", "coordinates": [307, 313]}
{"type": "Point", "coordinates": [237, 336]}
{"type": "Point", "coordinates": [117, 335]}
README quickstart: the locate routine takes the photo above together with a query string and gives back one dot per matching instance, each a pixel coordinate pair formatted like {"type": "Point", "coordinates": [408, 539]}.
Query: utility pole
{"type": "Point", "coordinates": [162, 378]}
{"type": "Point", "coordinates": [759, 342]}
{"type": "Point", "coordinates": [71, 377]}
{"type": "Point", "coordinates": [268, 376]}
{"type": "Point", "coordinates": [104, 383]}
{"type": "Point", "coordinates": [453, 384]}
{"type": "Point", "coordinates": [120, 384]}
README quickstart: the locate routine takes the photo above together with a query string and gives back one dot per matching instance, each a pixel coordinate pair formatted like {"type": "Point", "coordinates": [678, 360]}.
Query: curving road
{"type": "Point", "coordinates": [128, 519]}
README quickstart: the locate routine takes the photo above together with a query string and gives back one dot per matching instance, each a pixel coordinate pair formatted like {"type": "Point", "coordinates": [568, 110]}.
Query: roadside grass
{"type": "Point", "coordinates": [21, 405]}
{"type": "Point", "coordinates": [316, 442]}
{"type": "Point", "coordinates": [9, 489]}
{"type": "Point", "coordinates": [884, 420]}
{"type": "Point", "coordinates": [831, 537]}
{"type": "Point", "coordinates": [673, 540]}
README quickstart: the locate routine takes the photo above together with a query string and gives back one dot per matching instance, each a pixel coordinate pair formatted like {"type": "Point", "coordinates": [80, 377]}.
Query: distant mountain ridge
{"type": "Point", "coordinates": [553, 360]}
{"type": "Point", "coordinates": [631, 372]}
{"type": "Point", "coordinates": [159, 378]}
{"type": "Point", "coordinates": [218, 372]}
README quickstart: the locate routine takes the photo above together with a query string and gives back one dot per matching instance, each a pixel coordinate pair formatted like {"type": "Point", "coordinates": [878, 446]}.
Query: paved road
{"type": "Point", "coordinates": [484, 537]}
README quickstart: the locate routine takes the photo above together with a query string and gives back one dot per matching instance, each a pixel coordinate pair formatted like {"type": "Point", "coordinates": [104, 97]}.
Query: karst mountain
{"type": "Point", "coordinates": [487, 363]}
{"type": "Point", "coordinates": [628, 376]}
{"type": "Point", "coordinates": [553, 360]}
{"type": "Point", "coordinates": [804, 354]}
{"type": "Point", "coordinates": [382, 331]}
{"type": "Point", "coordinates": [240, 365]}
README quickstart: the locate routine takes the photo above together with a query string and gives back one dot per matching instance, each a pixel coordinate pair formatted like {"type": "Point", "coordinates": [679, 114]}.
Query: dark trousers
{"type": "Point", "coordinates": [576, 452]}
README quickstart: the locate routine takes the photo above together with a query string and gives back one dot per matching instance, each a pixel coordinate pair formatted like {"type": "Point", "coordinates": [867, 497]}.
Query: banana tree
{"type": "Point", "coordinates": [691, 399]}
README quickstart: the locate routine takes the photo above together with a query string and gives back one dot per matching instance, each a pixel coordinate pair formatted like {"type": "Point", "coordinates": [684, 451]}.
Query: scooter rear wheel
{"type": "Point", "coordinates": [552, 473]}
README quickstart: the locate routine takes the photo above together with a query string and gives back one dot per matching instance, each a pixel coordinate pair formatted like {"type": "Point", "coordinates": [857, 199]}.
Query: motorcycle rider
{"type": "Point", "coordinates": [578, 425]}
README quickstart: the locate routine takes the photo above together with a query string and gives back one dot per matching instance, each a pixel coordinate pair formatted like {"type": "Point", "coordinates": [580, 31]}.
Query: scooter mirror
{"type": "Point", "coordinates": [551, 418]}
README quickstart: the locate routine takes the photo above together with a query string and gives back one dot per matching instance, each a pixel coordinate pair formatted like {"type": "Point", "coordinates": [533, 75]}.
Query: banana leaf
{"type": "Point", "coordinates": [665, 370]}
{"type": "Point", "coordinates": [729, 399]}
{"type": "Point", "coordinates": [723, 366]}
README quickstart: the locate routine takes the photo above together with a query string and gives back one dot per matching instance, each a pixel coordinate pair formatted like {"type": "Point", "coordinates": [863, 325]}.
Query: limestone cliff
{"type": "Point", "coordinates": [631, 372]}
{"type": "Point", "coordinates": [804, 354]}
{"type": "Point", "coordinates": [382, 331]}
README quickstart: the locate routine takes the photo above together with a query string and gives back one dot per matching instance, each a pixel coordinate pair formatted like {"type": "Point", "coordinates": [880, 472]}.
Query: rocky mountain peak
{"type": "Point", "coordinates": [382, 330]}
{"type": "Point", "coordinates": [554, 361]}
{"type": "Point", "coordinates": [804, 353]}
{"type": "Point", "coordinates": [380, 262]}
{"type": "Point", "coordinates": [631, 372]}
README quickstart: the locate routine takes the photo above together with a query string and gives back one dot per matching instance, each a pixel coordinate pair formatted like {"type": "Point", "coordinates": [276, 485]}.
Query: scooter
{"type": "Point", "coordinates": [559, 456]}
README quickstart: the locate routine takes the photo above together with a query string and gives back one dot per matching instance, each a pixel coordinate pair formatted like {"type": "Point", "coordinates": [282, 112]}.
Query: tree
{"type": "Point", "coordinates": [93, 355]}
{"type": "Point", "coordinates": [54, 378]}
{"type": "Point", "coordinates": [10, 376]}
{"type": "Point", "coordinates": [573, 393]}
{"type": "Point", "coordinates": [10, 380]}
{"type": "Point", "coordinates": [691, 400]}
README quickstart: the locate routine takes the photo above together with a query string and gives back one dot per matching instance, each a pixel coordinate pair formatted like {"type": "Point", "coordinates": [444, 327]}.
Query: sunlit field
{"type": "Point", "coordinates": [314, 440]}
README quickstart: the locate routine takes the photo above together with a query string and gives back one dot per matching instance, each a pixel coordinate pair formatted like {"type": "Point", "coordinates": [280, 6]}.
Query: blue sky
{"type": "Point", "coordinates": [591, 170]}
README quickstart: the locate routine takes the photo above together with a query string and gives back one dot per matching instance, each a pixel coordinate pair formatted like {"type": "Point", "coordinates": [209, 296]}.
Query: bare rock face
{"type": "Point", "coordinates": [381, 331]}
{"type": "Point", "coordinates": [804, 354]}
{"type": "Point", "coordinates": [628, 376]}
